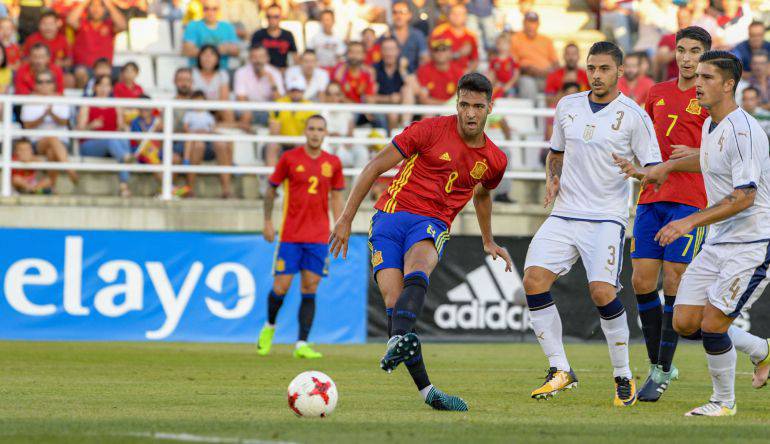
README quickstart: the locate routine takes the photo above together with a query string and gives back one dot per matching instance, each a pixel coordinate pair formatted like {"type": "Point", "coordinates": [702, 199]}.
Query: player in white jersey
{"type": "Point", "coordinates": [730, 273]}
{"type": "Point", "coordinates": [589, 217]}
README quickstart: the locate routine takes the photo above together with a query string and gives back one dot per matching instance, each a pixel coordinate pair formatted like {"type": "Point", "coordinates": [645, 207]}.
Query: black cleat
{"type": "Point", "coordinates": [400, 349]}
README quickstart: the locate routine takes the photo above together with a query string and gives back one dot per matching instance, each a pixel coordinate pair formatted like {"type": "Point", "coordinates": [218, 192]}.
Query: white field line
{"type": "Point", "coordinates": [188, 437]}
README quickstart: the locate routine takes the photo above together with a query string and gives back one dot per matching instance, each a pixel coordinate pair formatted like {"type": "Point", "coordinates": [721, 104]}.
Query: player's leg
{"type": "Point", "coordinates": [601, 248]}
{"type": "Point", "coordinates": [551, 253]}
{"type": "Point", "coordinates": [309, 287]}
{"type": "Point", "coordinates": [646, 259]}
{"type": "Point", "coordinates": [672, 277]}
{"type": "Point", "coordinates": [285, 266]}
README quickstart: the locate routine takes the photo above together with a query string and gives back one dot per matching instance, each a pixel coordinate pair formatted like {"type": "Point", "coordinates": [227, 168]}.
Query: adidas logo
{"type": "Point", "coordinates": [445, 156]}
{"type": "Point", "coordinates": [486, 301]}
{"type": "Point", "coordinates": [301, 169]}
{"type": "Point", "coordinates": [661, 102]}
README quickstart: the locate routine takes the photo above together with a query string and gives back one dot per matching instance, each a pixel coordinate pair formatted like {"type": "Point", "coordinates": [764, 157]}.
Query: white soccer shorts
{"type": "Point", "coordinates": [729, 276]}
{"type": "Point", "coordinates": [559, 243]}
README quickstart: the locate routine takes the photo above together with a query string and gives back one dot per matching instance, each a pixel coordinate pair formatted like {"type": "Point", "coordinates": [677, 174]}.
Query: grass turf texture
{"type": "Point", "coordinates": [116, 392]}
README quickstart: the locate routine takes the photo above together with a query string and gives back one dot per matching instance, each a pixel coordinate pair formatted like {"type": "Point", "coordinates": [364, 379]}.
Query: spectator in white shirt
{"type": "Point", "coordinates": [257, 81]}
{"type": "Point", "coordinates": [341, 124]}
{"type": "Point", "coordinates": [327, 45]}
{"type": "Point", "coordinates": [315, 78]}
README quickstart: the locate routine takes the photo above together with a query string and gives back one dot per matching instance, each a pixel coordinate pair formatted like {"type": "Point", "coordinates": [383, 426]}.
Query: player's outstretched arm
{"type": "Point", "coordinates": [382, 162]}
{"type": "Point", "coordinates": [553, 166]}
{"type": "Point", "coordinates": [482, 201]}
{"type": "Point", "coordinates": [628, 168]}
{"type": "Point", "coordinates": [734, 203]}
{"type": "Point", "coordinates": [658, 174]}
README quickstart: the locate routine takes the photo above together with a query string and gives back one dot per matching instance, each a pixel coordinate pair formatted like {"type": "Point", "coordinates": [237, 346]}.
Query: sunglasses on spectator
{"type": "Point", "coordinates": [274, 17]}
{"type": "Point", "coordinates": [44, 80]}
{"type": "Point", "coordinates": [211, 8]}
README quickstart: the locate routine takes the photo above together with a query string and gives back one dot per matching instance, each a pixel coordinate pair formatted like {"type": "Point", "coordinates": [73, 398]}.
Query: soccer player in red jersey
{"type": "Point", "coordinates": [445, 161]}
{"type": "Point", "coordinates": [678, 120]}
{"type": "Point", "coordinates": [310, 175]}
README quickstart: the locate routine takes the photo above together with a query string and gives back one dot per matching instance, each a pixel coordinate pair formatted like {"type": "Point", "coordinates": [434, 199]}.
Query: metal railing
{"type": "Point", "coordinates": [168, 136]}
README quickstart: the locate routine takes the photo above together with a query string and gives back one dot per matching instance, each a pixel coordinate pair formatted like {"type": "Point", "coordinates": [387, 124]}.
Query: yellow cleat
{"type": "Point", "coordinates": [625, 392]}
{"type": "Point", "coordinates": [306, 352]}
{"type": "Point", "coordinates": [714, 408]}
{"type": "Point", "coordinates": [555, 381]}
{"type": "Point", "coordinates": [761, 370]}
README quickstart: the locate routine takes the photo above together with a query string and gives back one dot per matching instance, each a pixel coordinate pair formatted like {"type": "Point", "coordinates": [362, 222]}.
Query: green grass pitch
{"type": "Point", "coordinates": [140, 393]}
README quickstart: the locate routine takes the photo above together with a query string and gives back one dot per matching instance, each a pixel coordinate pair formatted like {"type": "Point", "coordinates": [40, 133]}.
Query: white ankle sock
{"type": "Point", "coordinates": [754, 346]}
{"type": "Point", "coordinates": [616, 332]}
{"type": "Point", "coordinates": [547, 326]}
{"type": "Point", "coordinates": [424, 392]}
{"type": "Point", "coordinates": [722, 370]}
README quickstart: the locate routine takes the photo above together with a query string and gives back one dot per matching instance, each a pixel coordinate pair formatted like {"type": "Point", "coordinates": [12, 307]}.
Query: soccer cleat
{"type": "Point", "coordinates": [555, 381]}
{"type": "Point", "coordinates": [400, 348]}
{"type": "Point", "coordinates": [306, 352]}
{"type": "Point", "coordinates": [714, 408]}
{"type": "Point", "coordinates": [265, 342]}
{"type": "Point", "coordinates": [441, 401]}
{"type": "Point", "coordinates": [761, 370]}
{"type": "Point", "coordinates": [625, 392]}
{"type": "Point", "coordinates": [657, 383]}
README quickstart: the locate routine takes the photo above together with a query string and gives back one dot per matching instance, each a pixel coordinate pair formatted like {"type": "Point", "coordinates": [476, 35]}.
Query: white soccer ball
{"type": "Point", "coordinates": [312, 394]}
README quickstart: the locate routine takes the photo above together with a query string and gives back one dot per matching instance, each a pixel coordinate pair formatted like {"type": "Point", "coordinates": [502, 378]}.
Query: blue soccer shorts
{"type": "Point", "coordinates": [391, 235]}
{"type": "Point", "coordinates": [291, 257]}
{"type": "Point", "coordinates": [650, 218]}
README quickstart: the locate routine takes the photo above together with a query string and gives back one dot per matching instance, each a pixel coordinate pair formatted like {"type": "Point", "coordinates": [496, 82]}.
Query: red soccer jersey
{"type": "Point", "coordinates": [94, 41]}
{"type": "Point", "coordinates": [458, 40]}
{"type": "Point", "coordinates": [24, 81]}
{"type": "Point", "coordinates": [123, 91]}
{"type": "Point", "coordinates": [12, 54]}
{"type": "Point", "coordinates": [555, 81]}
{"type": "Point", "coordinates": [308, 182]}
{"type": "Point", "coordinates": [59, 47]}
{"type": "Point", "coordinates": [440, 171]}
{"type": "Point", "coordinates": [373, 55]}
{"type": "Point", "coordinates": [355, 87]}
{"type": "Point", "coordinates": [678, 119]}
{"type": "Point", "coordinates": [441, 85]}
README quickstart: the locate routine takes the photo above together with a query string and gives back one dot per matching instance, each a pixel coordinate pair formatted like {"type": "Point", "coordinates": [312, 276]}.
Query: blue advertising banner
{"type": "Point", "coordinates": [170, 286]}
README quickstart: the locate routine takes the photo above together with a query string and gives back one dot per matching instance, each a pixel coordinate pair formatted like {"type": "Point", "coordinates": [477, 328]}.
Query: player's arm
{"type": "Point", "coordinates": [482, 202]}
{"type": "Point", "coordinates": [382, 162]}
{"type": "Point", "coordinates": [269, 230]}
{"type": "Point", "coordinates": [554, 163]}
{"type": "Point", "coordinates": [658, 174]}
{"type": "Point", "coordinates": [732, 204]}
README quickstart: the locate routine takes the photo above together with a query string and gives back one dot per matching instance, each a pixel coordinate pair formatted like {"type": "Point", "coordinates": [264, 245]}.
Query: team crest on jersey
{"type": "Point", "coordinates": [280, 265]}
{"type": "Point", "coordinates": [326, 169]}
{"type": "Point", "coordinates": [693, 107]}
{"type": "Point", "coordinates": [445, 156]}
{"type": "Point", "coordinates": [661, 102]}
{"type": "Point", "coordinates": [588, 132]}
{"type": "Point", "coordinates": [478, 170]}
{"type": "Point", "coordinates": [301, 169]}
{"type": "Point", "coordinates": [376, 258]}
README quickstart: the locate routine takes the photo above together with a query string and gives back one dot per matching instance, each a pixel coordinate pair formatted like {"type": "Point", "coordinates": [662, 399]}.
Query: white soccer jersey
{"type": "Point", "coordinates": [591, 186]}
{"type": "Point", "coordinates": [733, 155]}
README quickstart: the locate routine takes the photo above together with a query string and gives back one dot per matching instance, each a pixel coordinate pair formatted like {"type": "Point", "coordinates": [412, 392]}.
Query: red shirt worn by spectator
{"type": "Point", "coordinates": [109, 116]}
{"type": "Point", "coordinates": [440, 171]}
{"type": "Point", "coordinates": [12, 53]}
{"type": "Point", "coordinates": [94, 41]}
{"type": "Point", "coordinates": [457, 41]}
{"type": "Point", "coordinates": [669, 41]}
{"type": "Point", "coordinates": [307, 183]}
{"type": "Point", "coordinates": [24, 81]}
{"type": "Point", "coordinates": [121, 90]}
{"type": "Point", "coordinates": [555, 81]}
{"type": "Point", "coordinates": [640, 90]}
{"type": "Point", "coordinates": [441, 84]}
{"type": "Point", "coordinates": [503, 68]}
{"type": "Point", "coordinates": [678, 120]}
{"type": "Point", "coordinates": [373, 55]}
{"type": "Point", "coordinates": [59, 47]}
{"type": "Point", "coordinates": [355, 86]}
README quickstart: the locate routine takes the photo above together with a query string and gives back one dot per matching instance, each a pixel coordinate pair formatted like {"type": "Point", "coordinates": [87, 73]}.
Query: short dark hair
{"type": "Point", "coordinates": [388, 39]}
{"type": "Point", "coordinates": [475, 82]}
{"type": "Point", "coordinates": [37, 46]}
{"type": "Point", "coordinates": [102, 61]}
{"type": "Point", "coordinates": [21, 141]}
{"type": "Point", "coordinates": [129, 65]}
{"type": "Point", "coordinates": [47, 13]}
{"type": "Point", "coordinates": [760, 53]}
{"type": "Point", "coordinates": [326, 11]}
{"type": "Point", "coordinates": [355, 43]}
{"type": "Point", "coordinates": [309, 51]}
{"type": "Point", "coordinates": [695, 33]}
{"type": "Point", "coordinates": [727, 64]}
{"type": "Point", "coordinates": [197, 94]}
{"type": "Point", "coordinates": [750, 88]}
{"type": "Point", "coordinates": [99, 79]}
{"type": "Point", "coordinates": [182, 69]}
{"type": "Point", "coordinates": [572, 45]}
{"type": "Point", "coordinates": [317, 116]}
{"type": "Point", "coordinates": [209, 48]}
{"type": "Point", "coordinates": [569, 85]}
{"type": "Point", "coordinates": [756, 23]}
{"type": "Point", "coordinates": [608, 48]}
{"type": "Point", "coordinates": [4, 63]}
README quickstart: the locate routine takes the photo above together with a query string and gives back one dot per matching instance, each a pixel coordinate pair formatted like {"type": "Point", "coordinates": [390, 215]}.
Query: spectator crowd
{"type": "Point", "coordinates": [406, 52]}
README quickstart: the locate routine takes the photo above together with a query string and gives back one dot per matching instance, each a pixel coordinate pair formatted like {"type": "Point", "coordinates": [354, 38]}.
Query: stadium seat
{"type": "Point", "coordinates": [295, 28]}
{"type": "Point", "coordinates": [165, 66]}
{"type": "Point", "coordinates": [519, 124]}
{"type": "Point", "coordinates": [357, 26]}
{"type": "Point", "coordinates": [121, 42]}
{"type": "Point", "coordinates": [146, 77]}
{"type": "Point", "coordinates": [379, 28]}
{"type": "Point", "coordinates": [313, 27]}
{"type": "Point", "coordinates": [178, 29]}
{"type": "Point", "coordinates": [150, 35]}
